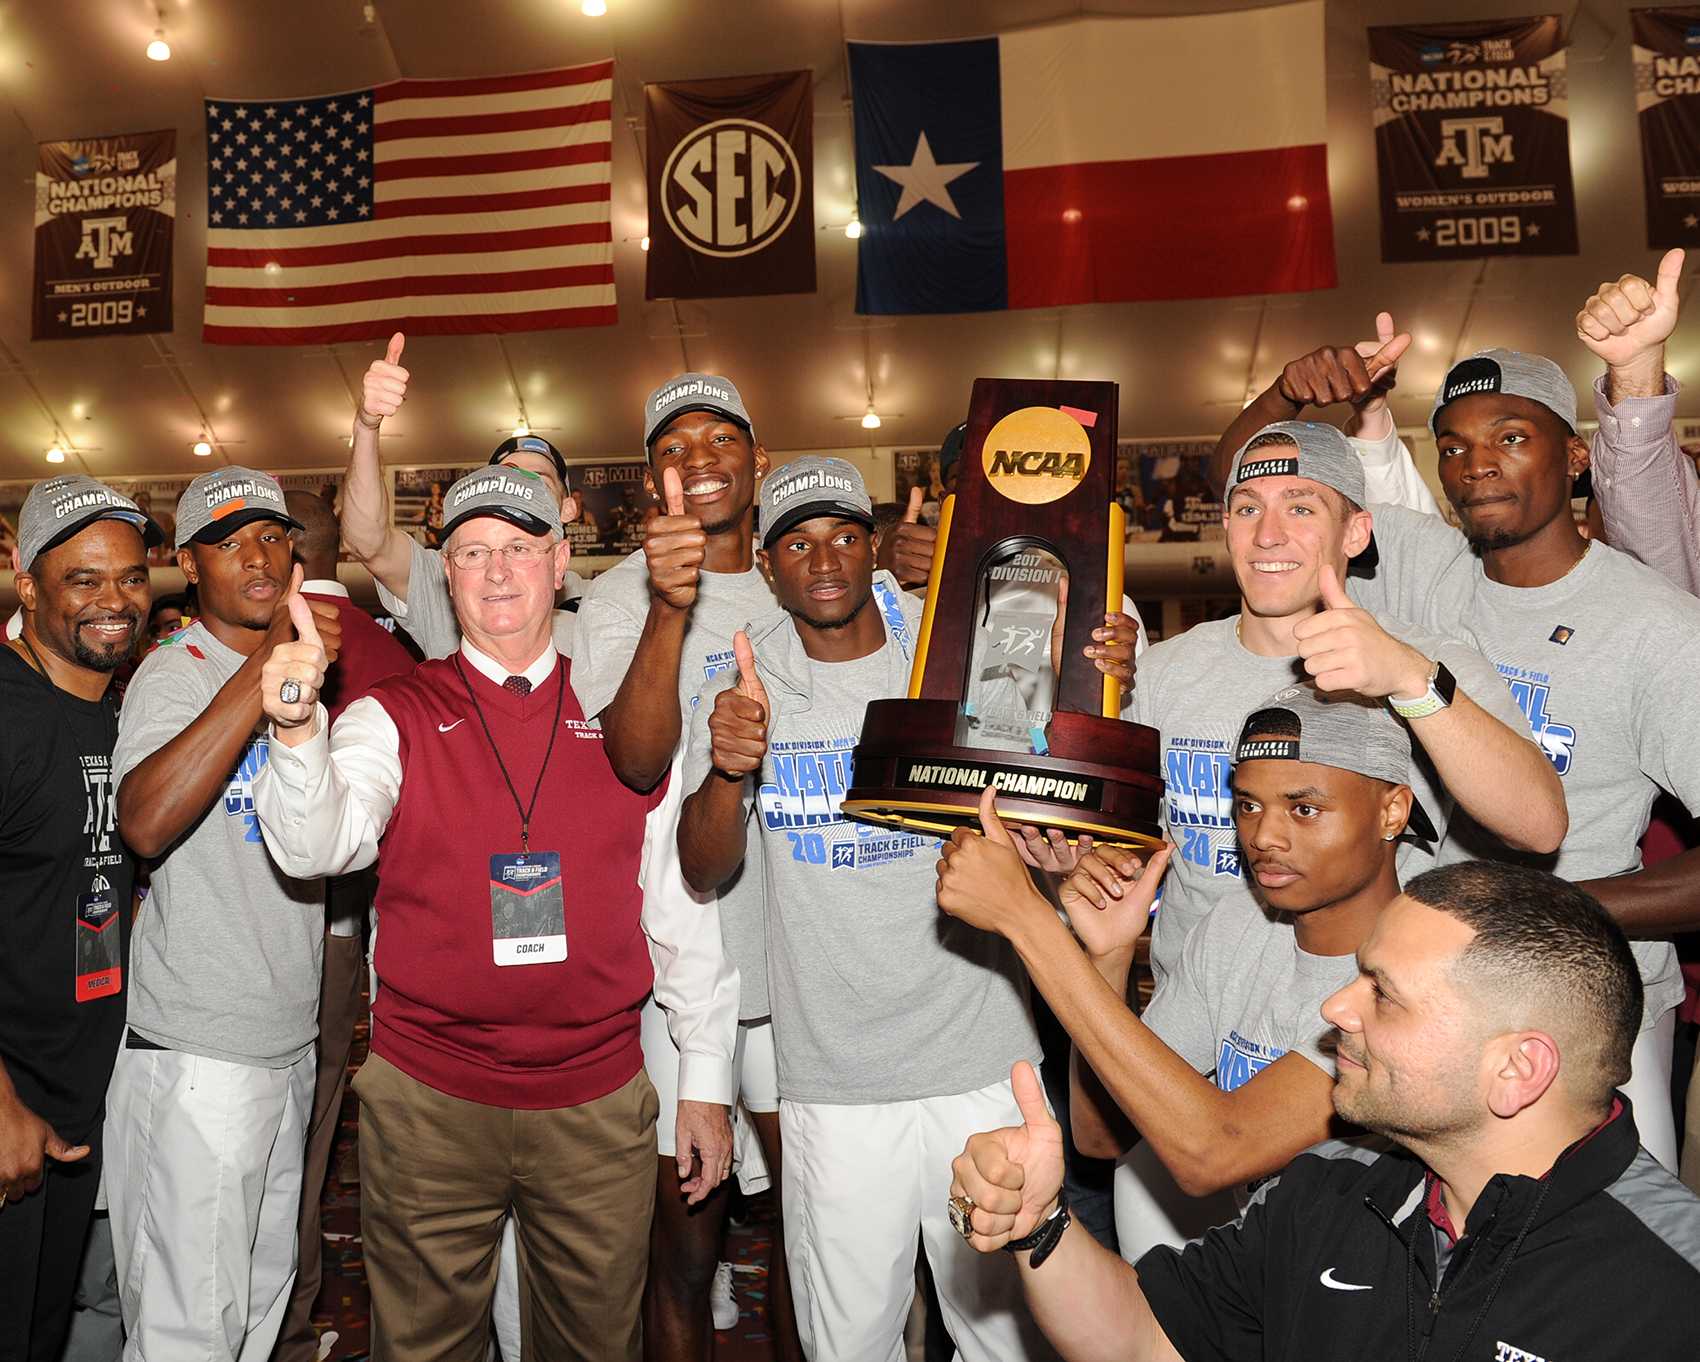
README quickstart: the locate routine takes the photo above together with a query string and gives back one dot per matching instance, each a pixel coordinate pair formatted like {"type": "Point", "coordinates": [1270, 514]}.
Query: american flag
{"type": "Point", "coordinates": [429, 206]}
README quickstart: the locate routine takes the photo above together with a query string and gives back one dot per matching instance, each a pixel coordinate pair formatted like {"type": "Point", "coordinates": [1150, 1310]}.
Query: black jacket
{"type": "Point", "coordinates": [1335, 1262]}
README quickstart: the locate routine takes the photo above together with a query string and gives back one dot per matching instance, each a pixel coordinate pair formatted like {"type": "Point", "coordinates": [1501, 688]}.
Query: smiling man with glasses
{"type": "Point", "coordinates": [518, 877]}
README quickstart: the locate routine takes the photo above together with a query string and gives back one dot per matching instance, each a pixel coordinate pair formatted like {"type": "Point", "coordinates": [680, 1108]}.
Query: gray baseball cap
{"type": "Point", "coordinates": [516, 495]}
{"type": "Point", "coordinates": [814, 485]}
{"type": "Point", "coordinates": [693, 392]}
{"type": "Point", "coordinates": [219, 502]}
{"type": "Point", "coordinates": [57, 508]}
{"type": "Point", "coordinates": [1511, 372]}
{"type": "Point", "coordinates": [1342, 729]}
{"type": "Point", "coordinates": [1306, 449]}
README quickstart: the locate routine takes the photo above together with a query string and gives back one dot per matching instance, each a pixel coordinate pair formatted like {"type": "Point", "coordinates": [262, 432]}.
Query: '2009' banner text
{"type": "Point", "coordinates": [1472, 139]}
{"type": "Point", "coordinates": [104, 212]}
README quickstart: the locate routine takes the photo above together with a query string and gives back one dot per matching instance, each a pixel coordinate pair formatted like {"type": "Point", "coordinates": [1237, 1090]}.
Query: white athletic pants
{"type": "Point", "coordinates": [860, 1183]}
{"type": "Point", "coordinates": [204, 1182]}
{"type": "Point", "coordinates": [1648, 1089]}
{"type": "Point", "coordinates": [1152, 1210]}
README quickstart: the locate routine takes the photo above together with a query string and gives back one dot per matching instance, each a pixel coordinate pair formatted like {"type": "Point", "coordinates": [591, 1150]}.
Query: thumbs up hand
{"type": "Point", "coordinates": [1628, 320]}
{"type": "Point", "coordinates": [1011, 1176]}
{"type": "Point", "coordinates": [384, 388]}
{"type": "Point", "coordinates": [294, 671]}
{"type": "Point", "coordinates": [1344, 648]}
{"type": "Point", "coordinates": [737, 727]}
{"type": "Point", "coordinates": [982, 878]}
{"type": "Point", "coordinates": [1359, 374]}
{"type": "Point", "coordinates": [674, 547]}
{"type": "Point", "coordinates": [906, 549]}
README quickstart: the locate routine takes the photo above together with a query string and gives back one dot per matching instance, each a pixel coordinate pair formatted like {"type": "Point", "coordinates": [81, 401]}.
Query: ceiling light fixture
{"type": "Point", "coordinates": [201, 448]}
{"type": "Point", "coordinates": [522, 428]}
{"type": "Point", "coordinates": [853, 229]}
{"type": "Point", "coordinates": [594, 9]}
{"type": "Point", "coordinates": [870, 418]}
{"type": "Point", "coordinates": [55, 454]}
{"type": "Point", "coordinates": [159, 49]}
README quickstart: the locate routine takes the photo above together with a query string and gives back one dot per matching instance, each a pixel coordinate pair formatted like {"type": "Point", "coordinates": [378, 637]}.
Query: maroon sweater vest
{"type": "Point", "coordinates": [526, 1036]}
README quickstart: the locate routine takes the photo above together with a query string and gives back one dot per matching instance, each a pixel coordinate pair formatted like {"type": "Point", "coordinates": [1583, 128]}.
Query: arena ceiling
{"type": "Point", "coordinates": [71, 68]}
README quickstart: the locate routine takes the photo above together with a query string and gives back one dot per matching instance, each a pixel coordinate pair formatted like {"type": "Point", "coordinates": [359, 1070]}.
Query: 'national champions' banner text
{"type": "Point", "coordinates": [1667, 105]}
{"type": "Point", "coordinates": [1472, 139]}
{"type": "Point", "coordinates": [104, 212]}
{"type": "Point", "coordinates": [731, 186]}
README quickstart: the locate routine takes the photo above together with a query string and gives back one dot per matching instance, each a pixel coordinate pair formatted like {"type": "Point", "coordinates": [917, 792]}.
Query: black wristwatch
{"type": "Point", "coordinates": [1043, 1240]}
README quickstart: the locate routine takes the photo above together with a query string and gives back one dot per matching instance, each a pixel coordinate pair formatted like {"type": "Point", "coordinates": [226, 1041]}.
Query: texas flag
{"type": "Point", "coordinates": [1095, 160]}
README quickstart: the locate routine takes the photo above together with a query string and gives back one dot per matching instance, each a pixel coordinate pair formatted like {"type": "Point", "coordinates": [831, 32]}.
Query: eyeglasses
{"type": "Point", "coordinates": [476, 557]}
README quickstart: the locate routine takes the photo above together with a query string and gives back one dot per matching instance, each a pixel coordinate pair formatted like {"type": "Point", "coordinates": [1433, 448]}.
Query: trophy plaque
{"type": "Point", "coordinates": [1030, 554]}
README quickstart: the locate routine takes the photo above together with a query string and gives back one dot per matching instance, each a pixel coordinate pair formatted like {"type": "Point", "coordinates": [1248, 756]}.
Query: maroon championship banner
{"type": "Point", "coordinates": [1472, 139]}
{"type": "Point", "coordinates": [1667, 105]}
{"type": "Point", "coordinates": [731, 186]}
{"type": "Point", "coordinates": [104, 212]}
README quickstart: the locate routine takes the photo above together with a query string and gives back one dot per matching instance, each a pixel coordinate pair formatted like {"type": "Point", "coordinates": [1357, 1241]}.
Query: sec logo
{"type": "Point", "coordinates": [730, 188]}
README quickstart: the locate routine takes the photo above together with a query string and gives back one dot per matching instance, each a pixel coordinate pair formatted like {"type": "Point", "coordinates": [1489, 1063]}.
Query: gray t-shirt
{"type": "Point", "coordinates": [224, 957]}
{"type": "Point", "coordinates": [427, 616]}
{"type": "Point", "coordinates": [611, 616]}
{"type": "Point", "coordinates": [1244, 994]}
{"type": "Point", "coordinates": [1603, 664]}
{"type": "Point", "coordinates": [877, 995]}
{"type": "Point", "coordinates": [1197, 690]}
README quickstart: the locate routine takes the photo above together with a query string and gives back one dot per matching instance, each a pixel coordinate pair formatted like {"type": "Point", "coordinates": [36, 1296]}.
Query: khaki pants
{"type": "Point", "coordinates": [439, 1174]}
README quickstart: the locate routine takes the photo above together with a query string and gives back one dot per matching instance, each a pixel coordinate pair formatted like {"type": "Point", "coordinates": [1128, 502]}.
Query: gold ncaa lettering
{"type": "Point", "coordinates": [1036, 455]}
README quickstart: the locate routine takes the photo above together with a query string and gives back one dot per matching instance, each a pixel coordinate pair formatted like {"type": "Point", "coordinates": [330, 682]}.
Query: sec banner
{"type": "Point", "coordinates": [731, 186]}
{"type": "Point", "coordinates": [1472, 139]}
{"type": "Point", "coordinates": [104, 212]}
{"type": "Point", "coordinates": [1667, 105]}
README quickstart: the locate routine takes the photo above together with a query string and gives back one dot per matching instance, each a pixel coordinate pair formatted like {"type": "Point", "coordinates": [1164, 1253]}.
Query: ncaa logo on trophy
{"type": "Point", "coordinates": [1030, 557]}
{"type": "Point", "coordinates": [730, 188]}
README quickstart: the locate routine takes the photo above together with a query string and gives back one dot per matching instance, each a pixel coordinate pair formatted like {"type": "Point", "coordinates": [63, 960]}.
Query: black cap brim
{"type": "Point", "coordinates": [513, 445]}
{"type": "Point", "coordinates": [221, 528]}
{"type": "Point", "coordinates": [152, 535]}
{"type": "Point", "coordinates": [798, 514]}
{"type": "Point", "coordinates": [1367, 558]}
{"type": "Point", "coordinates": [673, 416]}
{"type": "Point", "coordinates": [523, 520]}
{"type": "Point", "coordinates": [1418, 823]}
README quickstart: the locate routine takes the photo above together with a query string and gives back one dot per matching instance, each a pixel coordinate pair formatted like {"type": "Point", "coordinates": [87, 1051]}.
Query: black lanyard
{"type": "Point", "coordinates": [524, 812]}
{"type": "Point", "coordinates": [106, 706]}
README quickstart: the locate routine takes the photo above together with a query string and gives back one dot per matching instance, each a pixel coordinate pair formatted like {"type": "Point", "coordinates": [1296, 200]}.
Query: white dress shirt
{"type": "Point", "coordinates": [323, 807]}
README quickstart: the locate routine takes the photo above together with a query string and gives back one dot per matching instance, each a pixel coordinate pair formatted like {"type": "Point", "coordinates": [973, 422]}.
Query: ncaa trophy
{"type": "Point", "coordinates": [996, 695]}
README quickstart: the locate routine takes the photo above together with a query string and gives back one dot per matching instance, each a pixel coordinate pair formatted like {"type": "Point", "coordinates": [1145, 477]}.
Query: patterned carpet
{"type": "Point", "coordinates": [344, 1308]}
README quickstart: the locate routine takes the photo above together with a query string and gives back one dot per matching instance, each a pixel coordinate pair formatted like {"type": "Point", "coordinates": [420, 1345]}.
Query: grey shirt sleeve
{"type": "Point", "coordinates": [1414, 550]}
{"type": "Point", "coordinates": [162, 701]}
{"type": "Point", "coordinates": [605, 639]}
{"type": "Point", "coordinates": [427, 615]}
{"type": "Point", "coordinates": [1667, 740]}
{"type": "Point", "coordinates": [1648, 490]}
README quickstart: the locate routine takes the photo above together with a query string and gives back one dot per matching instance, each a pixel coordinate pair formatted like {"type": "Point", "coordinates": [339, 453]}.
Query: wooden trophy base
{"type": "Point", "coordinates": [1100, 776]}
